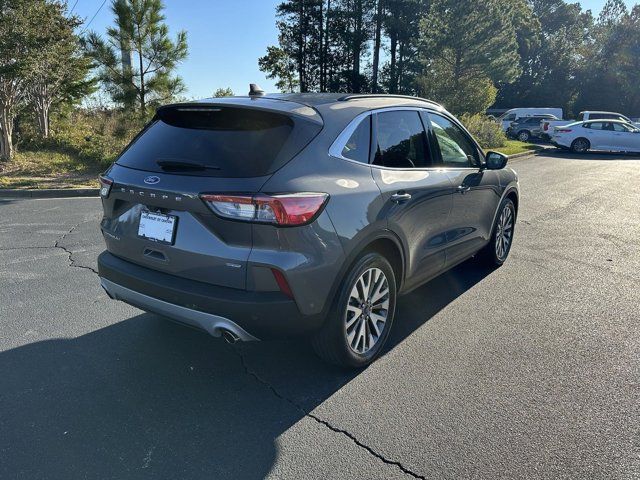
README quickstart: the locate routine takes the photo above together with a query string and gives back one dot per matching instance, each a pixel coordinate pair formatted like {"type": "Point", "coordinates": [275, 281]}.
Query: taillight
{"type": "Point", "coordinates": [545, 126]}
{"type": "Point", "coordinates": [288, 209]}
{"type": "Point", "coordinates": [105, 185]}
{"type": "Point", "coordinates": [563, 130]}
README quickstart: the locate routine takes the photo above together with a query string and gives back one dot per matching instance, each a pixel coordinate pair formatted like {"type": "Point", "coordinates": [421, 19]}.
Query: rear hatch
{"type": "Point", "coordinates": [153, 213]}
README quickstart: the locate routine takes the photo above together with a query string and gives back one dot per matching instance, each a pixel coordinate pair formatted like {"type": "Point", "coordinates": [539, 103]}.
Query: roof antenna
{"type": "Point", "coordinates": [255, 90]}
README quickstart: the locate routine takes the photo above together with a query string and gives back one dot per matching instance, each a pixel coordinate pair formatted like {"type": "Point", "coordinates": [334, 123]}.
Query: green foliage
{"type": "Point", "coordinates": [277, 64]}
{"type": "Point", "coordinates": [60, 68]}
{"type": "Point", "coordinates": [93, 137]}
{"type": "Point", "coordinates": [144, 78]}
{"type": "Point", "coordinates": [616, 51]}
{"type": "Point", "coordinates": [223, 92]}
{"type": "Point", "coordinates": [467, 47]}
{"type": "Point", "coordinates": [471, 93]}
{"type": "Point", "coordinates": [486, 131]}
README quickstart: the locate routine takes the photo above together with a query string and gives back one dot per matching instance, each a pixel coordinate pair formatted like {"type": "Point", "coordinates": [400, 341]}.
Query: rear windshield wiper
{"type": "Point", "coordinates": [184, 165]}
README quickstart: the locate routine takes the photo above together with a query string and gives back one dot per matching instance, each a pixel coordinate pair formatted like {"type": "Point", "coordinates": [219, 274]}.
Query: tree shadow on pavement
{"type": "Point", "coordinates": [152, 399]}
{"type": "Point", "coordinates": [591, 155]}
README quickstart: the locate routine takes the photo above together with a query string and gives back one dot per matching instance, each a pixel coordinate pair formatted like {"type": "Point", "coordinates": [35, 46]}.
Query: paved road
{"type": "Point", "coordinates": [529, 371]}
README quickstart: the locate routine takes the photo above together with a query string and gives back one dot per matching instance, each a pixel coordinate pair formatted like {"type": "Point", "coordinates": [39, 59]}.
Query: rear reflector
{"type": "Point", "coordinates": [282, 282]}
{"type": "Point", "coordinates": [285, 210]}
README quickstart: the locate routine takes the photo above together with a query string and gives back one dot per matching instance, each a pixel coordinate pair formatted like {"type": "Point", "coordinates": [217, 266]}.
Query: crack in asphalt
{"type": "Point", "coordinates": [319, 420]}
{"type": "Point", "coordinates": [6, 249]}
{"type": "Point", "coordinates": [72, 262]}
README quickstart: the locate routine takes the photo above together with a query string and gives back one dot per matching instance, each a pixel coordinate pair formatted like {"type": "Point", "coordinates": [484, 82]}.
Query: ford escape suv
{"type": "Point", "coordinates": [299, 214]}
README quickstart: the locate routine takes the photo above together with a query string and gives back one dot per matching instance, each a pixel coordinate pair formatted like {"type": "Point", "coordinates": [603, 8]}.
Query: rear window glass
{"type": "Point", "coordinates": [218, 141]}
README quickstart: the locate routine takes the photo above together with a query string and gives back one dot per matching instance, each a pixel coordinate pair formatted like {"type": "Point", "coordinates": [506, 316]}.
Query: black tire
{"type": "Point", "coordinates": [489, 254]}
{"type": "Point", "coordinates": [524, 135]}
{"type": "Point", "coordinates": [580, 145]}
{"type": "Point", "coordinates": [331, 343]}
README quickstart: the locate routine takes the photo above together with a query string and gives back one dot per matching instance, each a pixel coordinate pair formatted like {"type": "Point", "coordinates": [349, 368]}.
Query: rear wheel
{"type": "Point", "coordinates": [524, 135]}
{"type": "Point", "coordinates": [359, 323]}
{"type": "Point", "coordinates": [580, 145]}
{"type": "Point", "coordinates": [498, 248]}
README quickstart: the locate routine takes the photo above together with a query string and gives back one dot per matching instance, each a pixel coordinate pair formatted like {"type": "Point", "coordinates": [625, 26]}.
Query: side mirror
{"type": "Point", "coordinates": [496, 160]}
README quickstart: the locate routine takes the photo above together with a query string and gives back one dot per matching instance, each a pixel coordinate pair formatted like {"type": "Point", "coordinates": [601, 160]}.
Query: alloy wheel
{"type": "Point", "coordinates": [367, 310]}
{"type": "Point", "coordinates": [504, 233]}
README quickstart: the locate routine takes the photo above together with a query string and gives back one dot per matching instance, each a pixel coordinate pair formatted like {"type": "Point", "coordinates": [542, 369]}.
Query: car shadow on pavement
{"type": "Point", "coordinates": [148, 398]}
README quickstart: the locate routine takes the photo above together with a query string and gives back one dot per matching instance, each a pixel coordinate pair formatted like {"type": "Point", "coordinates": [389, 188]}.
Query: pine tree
{"type": "Point", "coordinates": [146, 78]}
{"type": "Point", "coordinates": [468, 47]}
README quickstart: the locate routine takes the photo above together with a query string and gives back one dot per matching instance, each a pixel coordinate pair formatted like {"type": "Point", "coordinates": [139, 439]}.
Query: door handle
{"type": "Point", "coordinates": [463, 188]}
{"type": "Point", "coordinates": [400, 197]}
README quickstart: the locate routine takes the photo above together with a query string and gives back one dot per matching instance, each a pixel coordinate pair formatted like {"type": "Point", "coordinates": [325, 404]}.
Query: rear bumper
{"type": "Point", "coordinates": [249, 315]}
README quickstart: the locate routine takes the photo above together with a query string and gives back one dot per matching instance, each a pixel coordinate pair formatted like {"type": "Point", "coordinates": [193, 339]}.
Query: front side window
{"type": "Point", "coordinates": [456, 148]}
{"type": "Point", "coordinates": [357, 147]}
{"type": "Point", "coordinates": [401, 140]}
{"type": "Point", "coordinates": [618, 127]}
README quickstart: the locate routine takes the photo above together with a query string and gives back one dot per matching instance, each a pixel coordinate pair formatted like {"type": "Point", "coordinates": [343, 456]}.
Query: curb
{"type": "Point", "coordinates": [49, 193]}
{"type": "Point", "coordinates": [530, 153]}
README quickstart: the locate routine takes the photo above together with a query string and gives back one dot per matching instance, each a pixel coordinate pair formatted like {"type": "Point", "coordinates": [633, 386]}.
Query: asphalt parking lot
{"type": "Point", "coordinates": [528, 371]}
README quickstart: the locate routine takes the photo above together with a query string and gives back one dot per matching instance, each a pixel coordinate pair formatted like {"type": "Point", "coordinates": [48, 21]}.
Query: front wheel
{"type": "Point", "coordinates": [498, 248]}
{"type": "Point", "coordinates": [359, 323]}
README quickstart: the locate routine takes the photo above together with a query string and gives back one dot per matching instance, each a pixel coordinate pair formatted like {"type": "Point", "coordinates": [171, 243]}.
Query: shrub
{"type": "Point", "coordinates": [488, 132]}
{"type": "Point", "coordinates": [92, 136]}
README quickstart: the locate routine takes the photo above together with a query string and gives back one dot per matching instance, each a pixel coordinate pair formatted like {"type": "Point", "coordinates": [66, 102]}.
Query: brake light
{"type": "Point", "coordinates": [545, 126]}
{"type": "Point", "coordinates": [563, 130]}
{"type": "Point", "coordinates": [285, 210]}
{"type": "Point", "coordinates": [105, 185]}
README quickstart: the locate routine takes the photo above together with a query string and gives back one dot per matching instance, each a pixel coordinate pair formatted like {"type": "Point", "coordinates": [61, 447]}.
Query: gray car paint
{"type": "Point", "coordinates": [437, 228]}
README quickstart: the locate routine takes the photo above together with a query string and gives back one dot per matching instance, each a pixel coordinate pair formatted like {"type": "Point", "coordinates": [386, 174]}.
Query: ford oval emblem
{"type": "Point", "coordinates": [152, 180]}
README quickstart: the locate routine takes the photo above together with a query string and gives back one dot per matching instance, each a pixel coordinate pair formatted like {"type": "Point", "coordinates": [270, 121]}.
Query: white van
{"type": "Point", "coordinates": [513, 114]}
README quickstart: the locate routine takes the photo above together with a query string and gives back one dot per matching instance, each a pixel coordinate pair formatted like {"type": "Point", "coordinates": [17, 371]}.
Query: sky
{"type": "Point", "coordinates": [225, 37]}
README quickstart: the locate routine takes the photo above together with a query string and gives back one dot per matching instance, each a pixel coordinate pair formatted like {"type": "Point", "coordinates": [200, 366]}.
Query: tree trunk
{"type": "Point", "coordinates": [6, 140]}
{"type": "Point", "coordinates": [376, 48]}
{"type": "Point", "coordinates": [357, 48]}
{"type": "Point", "coordinates": [393, 84]}
{"type": "Point", "coordinates": [301, 47]}
{"type": "Point", "coordinates": [43, 121]}
{"type": "Point", "coordinates": [325, 51]}
{"type": "Point", "coordinates": [143, 103]}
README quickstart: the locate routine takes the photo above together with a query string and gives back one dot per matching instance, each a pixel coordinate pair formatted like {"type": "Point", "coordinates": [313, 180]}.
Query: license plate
{"type": "Point", "coordinates": [157, 227]}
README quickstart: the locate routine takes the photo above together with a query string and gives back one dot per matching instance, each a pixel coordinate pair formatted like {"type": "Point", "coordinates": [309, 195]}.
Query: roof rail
{"type": "Point", "coordinates": [354, 96]}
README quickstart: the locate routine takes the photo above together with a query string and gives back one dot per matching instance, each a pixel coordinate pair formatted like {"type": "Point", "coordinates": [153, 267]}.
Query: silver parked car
{"type": "Point", "coordinates": [299, 214]}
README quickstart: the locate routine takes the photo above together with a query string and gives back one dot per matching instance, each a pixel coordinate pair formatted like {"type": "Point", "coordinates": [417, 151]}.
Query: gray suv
{"type": "Point", "coordinates": [299, 214]}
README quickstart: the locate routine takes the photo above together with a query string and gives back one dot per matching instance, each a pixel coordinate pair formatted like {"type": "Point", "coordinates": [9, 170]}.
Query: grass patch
{"type": "Point", "coordinates": [49, 168]}
{"type": "Point", "coordinates": [515, 146]}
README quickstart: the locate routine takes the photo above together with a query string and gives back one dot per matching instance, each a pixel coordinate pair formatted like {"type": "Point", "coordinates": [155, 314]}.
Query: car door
{"type": "Point", "coordinates": [596, 134]}
{"type": "Point", "coordinates": [417, 197]}
{"type": "Point", "coordinates": [626, 138]}
{"type": "Point", "coordinates": [477, 191]}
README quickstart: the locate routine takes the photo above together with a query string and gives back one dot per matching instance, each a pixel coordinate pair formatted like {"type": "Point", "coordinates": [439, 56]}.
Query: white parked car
{"type": "Point", "coordinates": [514, 114]}
{"type": "Point", "coordinates": [611, 135]}
{"type": "Point", "coordinates": [547, 126]}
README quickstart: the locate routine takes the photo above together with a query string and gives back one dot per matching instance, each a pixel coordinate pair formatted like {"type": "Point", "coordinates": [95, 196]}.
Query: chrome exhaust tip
{"type": "Point", "coordinates": [230, 337]}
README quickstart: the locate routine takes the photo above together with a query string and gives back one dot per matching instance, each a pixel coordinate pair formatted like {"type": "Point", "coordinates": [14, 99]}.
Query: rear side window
{"type": "Point", "coordinates": [218, 141]}
{"type": "Point", "coordinates": [358, 146]}
{"type": "Point", "coordinates": [401, 140]}
{"type": "Point", "coordinates": [597, 126]}
{"type": "Point", "coordinates": [456, 148]}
